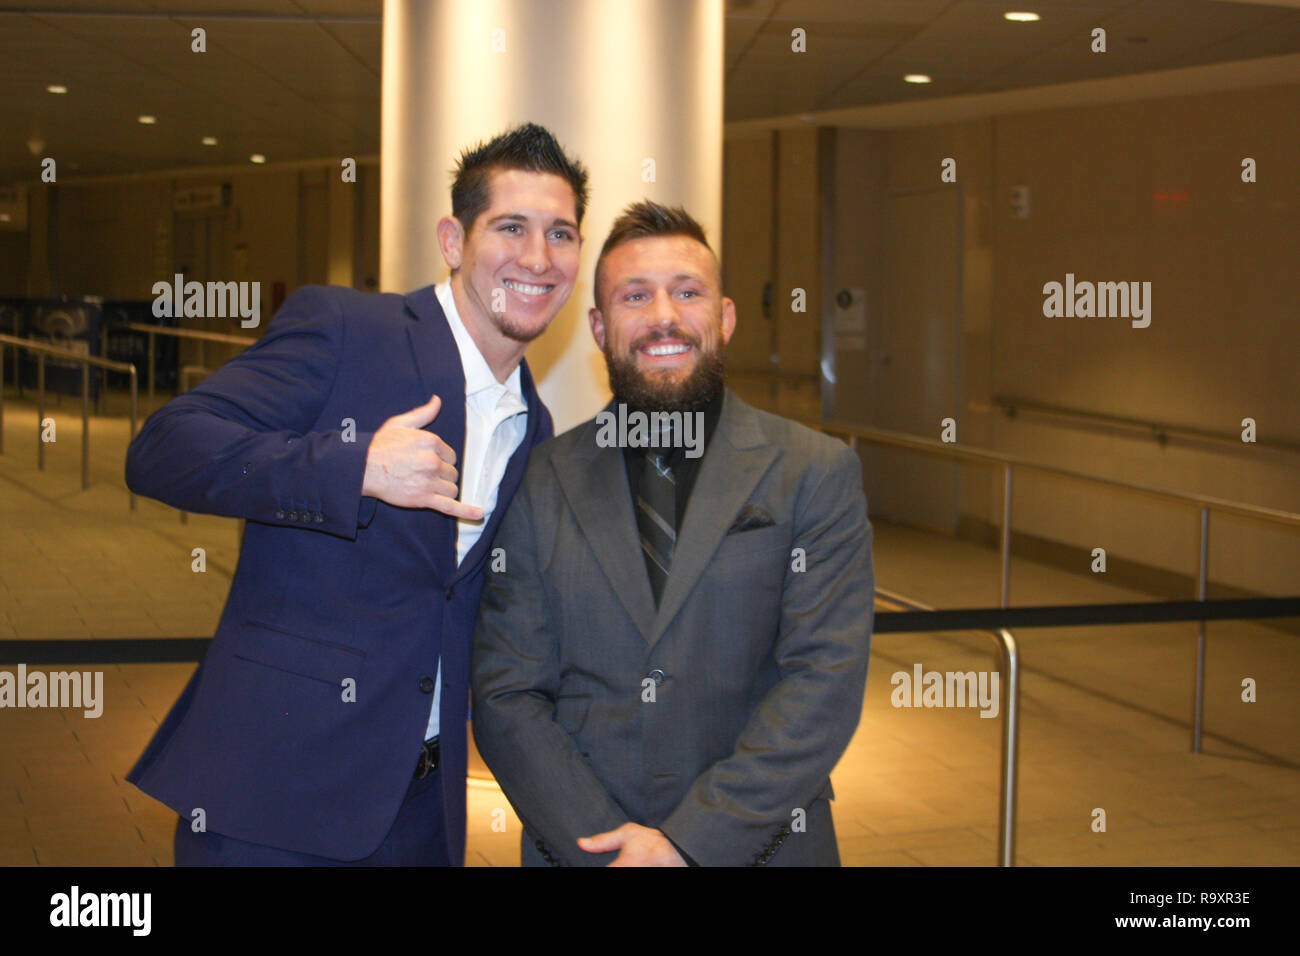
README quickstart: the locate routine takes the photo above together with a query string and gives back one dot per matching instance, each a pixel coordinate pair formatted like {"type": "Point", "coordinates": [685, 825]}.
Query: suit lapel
{"type": "Point", "coordinates": [594, 481]}
{"type": "Point", "coordinates": [737, 457]}
{"type": "Point", "coordinates": [437, 359]}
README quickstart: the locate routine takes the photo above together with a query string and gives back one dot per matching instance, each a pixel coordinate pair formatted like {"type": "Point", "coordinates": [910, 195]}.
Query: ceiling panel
{"type": "Point", "coordinates": [967, 46]}
{"type": "Point", "coordinates": [914, 12]}
{"type": "Point", "coordinates": [299, 79]}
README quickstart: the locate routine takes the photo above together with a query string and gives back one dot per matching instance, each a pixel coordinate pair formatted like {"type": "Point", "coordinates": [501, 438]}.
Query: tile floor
{"type": "Point", "coordinates": [1105, 712]}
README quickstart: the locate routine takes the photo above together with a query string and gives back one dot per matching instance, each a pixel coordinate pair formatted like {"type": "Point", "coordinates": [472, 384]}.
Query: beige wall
{"type": "Point", "coordinates": [859, 258]}
{"type": "Point", "coordinates": [772, 234]}
{"type": "Point", "coordinates": [116, 238]}
{"type": "Point", "coordinates": [1223, 334]}
{"type": "Point", "coordinates": [1220, 347]}
{"type": "Point", "coordinates": [798, 252]}
{"type": "Point", "coordinates": [747, 248]}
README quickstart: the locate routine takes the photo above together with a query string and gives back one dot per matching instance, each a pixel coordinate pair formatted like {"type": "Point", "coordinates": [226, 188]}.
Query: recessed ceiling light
{"type": "Point", "coordinates": [916, 78]}
{"type": "Point", "coordinates": [1020, 16]}
{"type": "Point", "coordinates": [146, 120]}
{"type": "Point", "coordinates": [56, 88]}
{"type": "Point", "coordinates": [257, 158]}
{"type": "Point", "coordinates": [209, 141]}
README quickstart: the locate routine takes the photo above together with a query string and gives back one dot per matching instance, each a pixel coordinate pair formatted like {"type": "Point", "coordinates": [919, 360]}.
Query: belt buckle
{"type": "Point", "coordinates": [428, 762]}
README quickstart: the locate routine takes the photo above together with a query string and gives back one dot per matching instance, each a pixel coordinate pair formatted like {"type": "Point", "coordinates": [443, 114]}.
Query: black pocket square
{"type": "Point", "coordinates": [750, 518]}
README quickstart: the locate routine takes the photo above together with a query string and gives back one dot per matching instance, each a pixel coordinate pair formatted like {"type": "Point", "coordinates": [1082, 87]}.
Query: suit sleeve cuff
{"type": "Point", "coordinates": [330, 500]}
{"type": "Point", "coordinates": [682, 853]}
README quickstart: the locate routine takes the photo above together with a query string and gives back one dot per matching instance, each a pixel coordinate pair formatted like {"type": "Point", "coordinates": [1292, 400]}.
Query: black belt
{"type": "Point", "coordinates": [428, 759]}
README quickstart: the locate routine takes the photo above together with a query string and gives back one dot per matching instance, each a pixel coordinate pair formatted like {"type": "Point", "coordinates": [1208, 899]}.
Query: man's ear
{"type": "Point", "coordinates": [597, 322]}
{"type": "Point", "coordinates": [728, 319]}
{"type": "Point", "coordinates": [451, 240]}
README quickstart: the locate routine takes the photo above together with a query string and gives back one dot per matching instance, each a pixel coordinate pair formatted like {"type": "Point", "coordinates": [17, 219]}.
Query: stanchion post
{"type": "Point", "coordinates": [85, 425]}
{"type": "Point", "coordinates": [1198, 695]}
{"type": "Point", "coordinates": [135, 411]}
{"type": "Point", "coordinates": [40, 410]}
{"type": "Point", "coordinates": [1010, 747]}
{"type": "Point", "coordinates": [1006, 534]}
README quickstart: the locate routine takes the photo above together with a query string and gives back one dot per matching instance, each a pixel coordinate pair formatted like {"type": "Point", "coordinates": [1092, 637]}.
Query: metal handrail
{"type": "Point", "coordinates": [1160, 431]}
{"type": "Point", "coordinates": [1010, 703]}
{"type": "Point", "coordinates": [153, 330]}
{"type": "Point", "coordinates": [882, 436]}
{"type": "Point", "coordinates": [1008, 463]}
{"type": "Point", "coordinates": [86, 361]}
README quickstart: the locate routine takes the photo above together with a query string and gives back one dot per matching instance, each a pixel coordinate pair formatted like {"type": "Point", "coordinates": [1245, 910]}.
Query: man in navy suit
{"type": "Point", "coordinates": [326, 724]}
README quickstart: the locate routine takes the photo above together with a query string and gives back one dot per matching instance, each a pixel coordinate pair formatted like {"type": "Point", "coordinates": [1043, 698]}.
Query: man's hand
{"type": "Point", "coordinates": [412, 468]}
{"type": "Point", "coordinates": [637, 846]}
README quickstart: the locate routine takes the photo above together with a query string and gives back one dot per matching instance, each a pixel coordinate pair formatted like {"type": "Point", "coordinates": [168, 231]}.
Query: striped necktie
{"type": "Point", "coordinates": [656, 514]}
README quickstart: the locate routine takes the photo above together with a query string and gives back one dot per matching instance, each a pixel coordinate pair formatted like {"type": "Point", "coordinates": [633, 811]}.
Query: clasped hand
{"type": "Point", "coordinates": [636, 845]}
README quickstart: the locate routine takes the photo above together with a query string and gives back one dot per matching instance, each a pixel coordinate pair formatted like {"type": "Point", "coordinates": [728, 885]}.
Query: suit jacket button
{"type": "Point", "coordinates": [657, 676]}
{"type": "Point", "coordinates": [279, 513]}
{"type": "Point", "coordinates": [292, 516]}
{"type": "Point", "coordinates": [318, 518]}
{"type": "Point", "coordinates": [450, 593]}
{"type": "Point", "coordinates": [427, 684]}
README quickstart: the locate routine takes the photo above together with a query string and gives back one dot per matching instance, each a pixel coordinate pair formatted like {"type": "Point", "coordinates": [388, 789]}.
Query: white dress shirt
{"type": "Point", "coordinates": [496, 418]}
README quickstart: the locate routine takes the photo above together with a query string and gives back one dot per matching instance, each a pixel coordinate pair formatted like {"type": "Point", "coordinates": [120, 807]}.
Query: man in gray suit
{"type": "Point", "coordinates": [673, 655]}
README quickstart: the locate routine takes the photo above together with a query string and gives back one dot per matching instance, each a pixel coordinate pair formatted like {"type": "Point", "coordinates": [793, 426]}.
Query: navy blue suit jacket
{"type": "Point", "coordinates": [330, 585]}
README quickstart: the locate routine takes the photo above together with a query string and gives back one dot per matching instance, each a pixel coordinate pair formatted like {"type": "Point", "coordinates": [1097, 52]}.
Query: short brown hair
{"type": "Point", "coordinates": [645, 220]}
{"type": "Point", "coordinates": [530, 148]}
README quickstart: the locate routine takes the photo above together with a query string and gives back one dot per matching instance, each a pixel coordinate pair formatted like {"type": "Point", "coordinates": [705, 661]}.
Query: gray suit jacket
{"type": "Point", "coordinates": [717, 718]}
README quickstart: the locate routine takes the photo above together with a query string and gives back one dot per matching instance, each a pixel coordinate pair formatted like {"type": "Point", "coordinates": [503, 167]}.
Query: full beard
{"type": "Point", "coordinates": [644, 393]}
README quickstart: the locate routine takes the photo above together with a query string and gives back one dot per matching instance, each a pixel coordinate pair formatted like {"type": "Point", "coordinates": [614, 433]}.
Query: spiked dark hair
{"type": "Point", "coordinates": [644, 220]}
{"type": "Point", "coordinates": [528, 147]}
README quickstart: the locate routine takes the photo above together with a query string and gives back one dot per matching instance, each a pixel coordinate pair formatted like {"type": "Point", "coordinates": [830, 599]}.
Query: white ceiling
{"type": "Point", "coordinates": [289, 88]}
{"type": "Point", "coordinates": [864, 48]}
{"type": "Point", "coordinates": [298, 79]}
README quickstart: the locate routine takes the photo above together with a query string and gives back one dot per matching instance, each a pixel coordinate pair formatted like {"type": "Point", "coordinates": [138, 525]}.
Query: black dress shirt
{"type": "Point", "coordinates": [684, 469]}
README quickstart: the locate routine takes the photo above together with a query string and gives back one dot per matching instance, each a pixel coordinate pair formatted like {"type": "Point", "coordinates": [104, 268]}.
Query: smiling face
{"type": "Point", "coordinates": [517, 266]}
{"type": "Point", "coordinates": [662, 322]}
